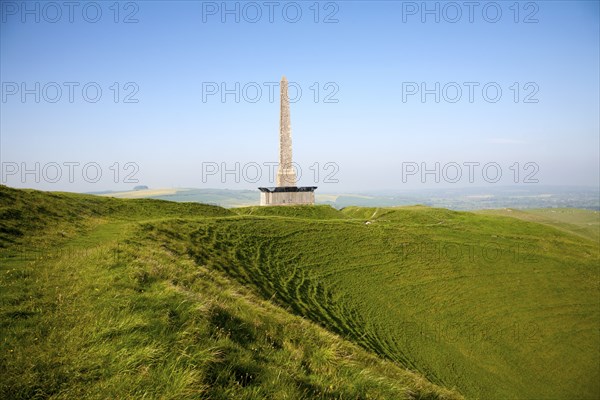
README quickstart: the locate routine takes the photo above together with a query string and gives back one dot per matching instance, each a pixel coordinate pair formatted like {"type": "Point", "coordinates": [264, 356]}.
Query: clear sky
{"type": "Point", "coordinates": [369, 72]}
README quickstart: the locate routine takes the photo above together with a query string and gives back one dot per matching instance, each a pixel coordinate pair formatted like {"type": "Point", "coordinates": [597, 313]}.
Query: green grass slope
{"type": "Point", "coordinates": [310, 212]}
{"type": "Point", "coordinates": [142, 298]}
{"type": "Point", "coordinates": [105, 298]}
{"type": "Point", "coordinates": [585, 223]}
{"type": "Point", "coordinates": [413, 215]}
{"type": "Point", "coordinates": [498, 307]}
{"type": "Point", "coordinates": [33, 216]}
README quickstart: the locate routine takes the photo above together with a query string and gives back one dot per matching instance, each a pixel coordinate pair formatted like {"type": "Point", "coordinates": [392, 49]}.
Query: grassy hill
{"type": "Point", "coordinates": [98, 301]}
{"type": "Point", "coordinates": [497, 307]}
{"type": "Point", "coordinates": [34, 217]}
{"type": "Point", "coordinates": [219, 302]}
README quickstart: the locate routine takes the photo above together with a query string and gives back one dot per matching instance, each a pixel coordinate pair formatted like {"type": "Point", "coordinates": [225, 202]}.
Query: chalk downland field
{"type": "Point", "coordinates": [114, 298]}
{"type": "Point", "coordinates": [97, 302]}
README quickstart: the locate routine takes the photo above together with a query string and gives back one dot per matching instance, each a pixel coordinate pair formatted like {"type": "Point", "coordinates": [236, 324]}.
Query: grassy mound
{"type": "Point", "coordinates": [41, 217]}
{"type": "Point", "coordinates": [497, 307]}
{"type": "Point", "coordinates": [308, 212]}
{"type": "Point", "coordinates": [142, 298]}
{"type": "Point", "coordinates": [119, 308]}
{"type": "Point", "coordinates": [412, 215]}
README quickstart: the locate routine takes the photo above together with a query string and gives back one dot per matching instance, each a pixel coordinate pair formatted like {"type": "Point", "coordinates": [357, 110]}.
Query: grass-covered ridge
{"type": "Point", "coordinates": [313, 212]}
{"type": "Point", "coordinates": [28, 216]}
{"type": "Point", "coordinates": [496, 307]}
{"type": "Point", "coordinates": [101, 302]}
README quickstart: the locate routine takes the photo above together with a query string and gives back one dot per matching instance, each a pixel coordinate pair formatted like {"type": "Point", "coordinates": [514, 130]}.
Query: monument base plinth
{"type": "Point", "coordinates": [287, 195]}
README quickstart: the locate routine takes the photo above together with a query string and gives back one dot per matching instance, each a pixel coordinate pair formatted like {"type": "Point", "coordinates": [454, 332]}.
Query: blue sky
{"type": "Point", "coordinates": [367, 61]}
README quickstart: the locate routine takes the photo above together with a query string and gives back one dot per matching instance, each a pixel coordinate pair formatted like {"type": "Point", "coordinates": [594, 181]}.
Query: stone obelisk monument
{"type": "Point", "coordinates": [286, 175]}
{"type": "Point", "coordinates": [286, 192]}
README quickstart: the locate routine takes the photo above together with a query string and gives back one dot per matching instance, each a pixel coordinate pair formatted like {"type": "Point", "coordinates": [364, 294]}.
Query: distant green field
{"type": "Point", "coordinates": [455, 199]}
{"type": "Point", "coordinates": [495, 307]}
{"type": "Point", "coordinates": [222, 197]}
